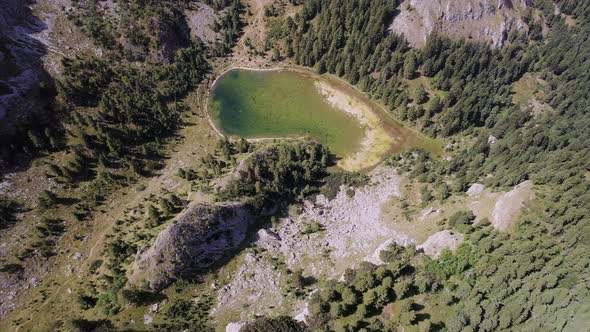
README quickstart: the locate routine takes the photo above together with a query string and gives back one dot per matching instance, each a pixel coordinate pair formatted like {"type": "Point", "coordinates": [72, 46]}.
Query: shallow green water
{"type": "Point", "coordinates": [259, 104]}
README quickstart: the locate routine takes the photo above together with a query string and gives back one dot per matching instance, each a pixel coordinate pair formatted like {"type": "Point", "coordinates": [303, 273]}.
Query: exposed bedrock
{"type": "Point", "coordinates": [488, 21]}
{"type": "Point", "coordinates": [20, 63]}
{"type": "Point", "coordinates": [195, 241]}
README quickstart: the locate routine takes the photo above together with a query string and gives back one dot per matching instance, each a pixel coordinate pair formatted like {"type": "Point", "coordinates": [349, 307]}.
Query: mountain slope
{"type": "Point", "coordinates": [494, 22]}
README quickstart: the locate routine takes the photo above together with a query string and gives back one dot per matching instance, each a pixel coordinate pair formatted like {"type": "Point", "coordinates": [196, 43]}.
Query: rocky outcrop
{"type": "Point", "coordinates": [510, 204]}
{"type": "Point", "coordinates": [173, 34]}
{"type": "Point", "coordinates": [439, 241]}
{"type": "Point", "coordinates": [235, 327]}
{"type": "Point", "coordinates": [501, 209]}
{"type": "Point", "coordinates": [330, 235]}
{"type": "Point", "coordinates": [254, 289]}
{"type": "Point", "coordinates": [201, 19]}
{"type": "Point", "coordinates": [488, 21]}
{"type": "Point", "coordinates": [475, 189]}
{"type": "Point", "coordinates": [197, 239]}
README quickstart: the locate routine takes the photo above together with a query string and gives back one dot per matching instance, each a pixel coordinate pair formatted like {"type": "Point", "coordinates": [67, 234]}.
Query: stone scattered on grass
{"type": "Point", "coordinates": [475, 189]}
{"type": "Point", "coordinates": [235, 327]}
{"type": "Point", "coordinates": [147, 319]}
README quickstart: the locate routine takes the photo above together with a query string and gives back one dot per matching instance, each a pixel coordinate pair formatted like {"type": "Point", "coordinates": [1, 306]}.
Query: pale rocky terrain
{"type": "Point", "coordinates": [482, 20]}
{"type": "Point", "coordinates": [446, 239]}
{"type": "Point", "coordinates": [351, 228]}
{"type": "Point", "coordinates": [200, 21]}
{"type": "Point", "coordinates": [257, 287]}
{"type": "Point", "coordinates": [502, 209]}
{"type": "Point", "coordinates": [510, 204]}
{"type": "Point", "coordinates": [323, 237]}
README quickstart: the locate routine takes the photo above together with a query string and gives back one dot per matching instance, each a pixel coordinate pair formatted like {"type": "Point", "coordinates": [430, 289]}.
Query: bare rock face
{"type": "Point", "coordinates": [509, 206]}
{"type": "Point", "coordinates": [20, 62]}
{"type": "Point", "coordinates": [235, 327]}
{"type": "Point", "coordinates": [488, 21]}
{"type": "Point", "coordinates": [476, 189]}
{"type": "Point", "coordinates": [437, 242]}
{"type": "Point", "coordinates": [200, 21]}
{"type": "Point", "coordinates": [254, 289]}
{"type": "Point", "coordinates": [199, 238]}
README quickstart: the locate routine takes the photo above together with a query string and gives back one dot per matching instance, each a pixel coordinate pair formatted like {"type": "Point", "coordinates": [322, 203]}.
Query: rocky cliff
{"type": "Point", "coordinates": [172, 34]}
{"type": "Point", "coordinates": [198, 238]}
{"type": "Point", "coordinates": [20, 62]}
{"type": "Point", "coordinates": [489, 21]}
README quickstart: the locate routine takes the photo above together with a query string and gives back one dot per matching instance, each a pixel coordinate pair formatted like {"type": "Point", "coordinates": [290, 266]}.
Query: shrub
{"type": "Point", "coordinates": [461, 218]}
{"type": "Point", "coordinates": [11, 268]}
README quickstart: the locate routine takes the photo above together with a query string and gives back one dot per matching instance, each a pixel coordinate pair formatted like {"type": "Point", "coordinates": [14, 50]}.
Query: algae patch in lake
{"type": "Point", "coordinates": [262, 104]}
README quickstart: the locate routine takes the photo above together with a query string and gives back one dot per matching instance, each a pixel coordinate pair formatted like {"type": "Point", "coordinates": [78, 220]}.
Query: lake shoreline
{"type": "Point", "coordinates": [383, 134]}
{"type": "Point", "coordinates": [375, 143]}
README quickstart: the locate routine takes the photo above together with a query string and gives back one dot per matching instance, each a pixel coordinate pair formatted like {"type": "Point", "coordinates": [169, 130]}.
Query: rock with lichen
{"type": "Point", "coordinates": [200, 237]}
{"type": "Point", "coordinates": [490, 21]}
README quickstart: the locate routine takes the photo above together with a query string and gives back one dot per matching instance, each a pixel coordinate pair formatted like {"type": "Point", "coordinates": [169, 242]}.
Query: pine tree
{"type": "Point", "coordinates": [36, 141]}
{"type": "Point", "coordinates": [421, 95]}
{"type": "Point", "coordinates": [153, 216]}
{"type": "Point", "coordinates": [410, 66]}
{"type": "Point", "coordinates": [47, 199]}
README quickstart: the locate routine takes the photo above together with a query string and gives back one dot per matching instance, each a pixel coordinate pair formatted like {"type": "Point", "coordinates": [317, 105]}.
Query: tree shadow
{"type": "Point", "coordinates": [141, 297]}
{"type": "Point", "coordinates": [68, 200]}
{"type": "Point", "coordinates": [93, 325]}
{"type": "Point", "coordinates": [416, 306]}
{"type": "Point", "coordinates": [437, 327]}
{"type": "Point", "coordinates": [8, 210]}
{"type": "Point", "coordinates": [309, 281]}
{"type": "Point", "coordinates": [421, 317]}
